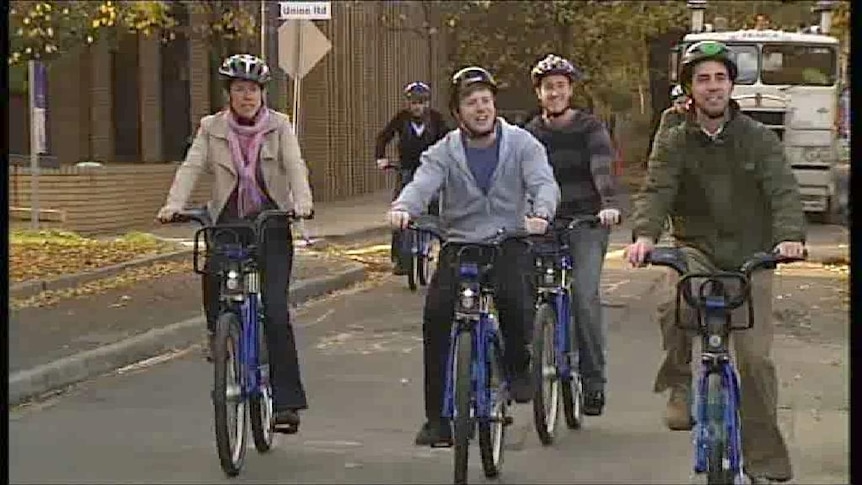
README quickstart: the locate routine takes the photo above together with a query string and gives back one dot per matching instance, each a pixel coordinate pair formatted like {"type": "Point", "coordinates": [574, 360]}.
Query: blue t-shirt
{"type": "Point", "coordinates": [483, 161]}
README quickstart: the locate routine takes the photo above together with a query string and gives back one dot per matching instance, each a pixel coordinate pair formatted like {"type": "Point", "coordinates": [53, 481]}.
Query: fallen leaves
{"type": "Point", "coordinates": [127, 278]}
{"type": "Point", "coordinates": [35, 255]}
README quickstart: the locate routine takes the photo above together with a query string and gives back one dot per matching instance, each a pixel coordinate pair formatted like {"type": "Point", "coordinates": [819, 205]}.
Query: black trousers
{"type": "Point", "coordinates": [513, 297]}
{"type": "Point", "coordinates": [396, 252]}
{"type": "Point", "coordinates": [276, 260]}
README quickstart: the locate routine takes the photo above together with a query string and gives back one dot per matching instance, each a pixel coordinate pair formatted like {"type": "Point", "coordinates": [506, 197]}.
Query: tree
{"type": "Point", "coordinates": [43, 29]}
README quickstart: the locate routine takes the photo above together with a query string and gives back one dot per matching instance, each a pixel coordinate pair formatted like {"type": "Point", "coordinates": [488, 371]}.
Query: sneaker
{"type": "Point", "coordinates": [436, 435]}
{"type": "Point", "coordinates": [594, 403]}
{"type": "Point", "coordinates": [678, 415]}
{"type": "Point", "coordinates": [522, 387]}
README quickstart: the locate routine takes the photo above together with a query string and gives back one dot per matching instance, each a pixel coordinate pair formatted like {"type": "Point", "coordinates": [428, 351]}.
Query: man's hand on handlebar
{"type": "Point", "coordinates": [609, 217]}
{"type": "Point", "coordinates": [636, 253]}
{"type": "Point", "coordinates": [398, 219]}
{"type": "Point", "coordinates": [535, 225]}
{"type": "Point", "coordinates": [790, 249]}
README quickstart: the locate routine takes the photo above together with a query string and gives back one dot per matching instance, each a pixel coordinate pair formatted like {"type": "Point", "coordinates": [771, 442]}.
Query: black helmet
{"type": "Point", "coordinates": [706, 50]}
{"type": "Point", "coordinates": [245, 67]}
{"type": "Point", "coordinates": [467, 77]}
{"type": "Point", "coordinates": [554, 64]}
{"type": "Point", "coordinates": [417, 91]}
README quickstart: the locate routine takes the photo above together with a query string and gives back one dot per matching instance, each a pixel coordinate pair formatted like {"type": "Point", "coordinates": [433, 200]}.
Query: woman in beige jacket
{"type": "Point", "coordinates": [254, 156]}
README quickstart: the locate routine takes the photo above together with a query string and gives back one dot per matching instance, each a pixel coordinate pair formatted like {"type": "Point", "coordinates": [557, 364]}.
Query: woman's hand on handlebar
{"type": "Point", "coordinates": [791, 249]}
{"type": "Point", "coordinates": [166, 214]}
{"type": "Point", "coordinates": [636, 253]}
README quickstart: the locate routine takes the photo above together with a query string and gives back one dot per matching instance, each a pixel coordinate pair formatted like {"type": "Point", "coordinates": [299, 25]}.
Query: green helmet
{"type": "Point", "coordinates": [706, 50]}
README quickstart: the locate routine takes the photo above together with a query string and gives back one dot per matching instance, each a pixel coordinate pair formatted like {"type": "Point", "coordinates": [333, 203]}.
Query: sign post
{"type": "Point", "coordinates": [309, 44]}
{"type": "Point", "coordinates": [38, 141]}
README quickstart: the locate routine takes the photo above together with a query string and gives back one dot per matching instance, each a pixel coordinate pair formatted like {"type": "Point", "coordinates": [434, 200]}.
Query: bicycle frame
{"type": "Point", "coordinates": [483, 328]}
{"type": "Point", "coordinates": [715, 358]}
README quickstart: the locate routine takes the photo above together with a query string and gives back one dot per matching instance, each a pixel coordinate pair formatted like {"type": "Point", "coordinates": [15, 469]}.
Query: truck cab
{"type": "Point", "coordinates": [789, 81]}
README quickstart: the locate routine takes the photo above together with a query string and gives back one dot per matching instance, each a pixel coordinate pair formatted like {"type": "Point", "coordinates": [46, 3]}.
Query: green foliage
{"type": "Point", "coordinates": [45, 29]}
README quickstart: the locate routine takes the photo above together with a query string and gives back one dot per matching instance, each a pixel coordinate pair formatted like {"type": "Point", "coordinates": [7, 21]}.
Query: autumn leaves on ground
{"type": "Point", "coordinates": [45, 255]}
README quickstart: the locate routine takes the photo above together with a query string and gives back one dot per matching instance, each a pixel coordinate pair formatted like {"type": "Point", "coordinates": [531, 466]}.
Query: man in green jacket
{"type": "Point", "coordinates": [724, 180]}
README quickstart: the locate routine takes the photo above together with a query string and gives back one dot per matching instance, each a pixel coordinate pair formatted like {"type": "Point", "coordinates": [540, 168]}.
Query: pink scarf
{"type": "Point", "coordinates": [245, 142]}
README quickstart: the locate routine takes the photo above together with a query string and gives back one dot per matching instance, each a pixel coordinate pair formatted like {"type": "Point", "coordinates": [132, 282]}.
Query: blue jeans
{"type": "Point", "coordinates": [588, 247]}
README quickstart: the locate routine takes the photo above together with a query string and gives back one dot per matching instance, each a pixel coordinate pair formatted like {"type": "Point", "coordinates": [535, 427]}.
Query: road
{"type": "Point", "coordinates": [361, 358]}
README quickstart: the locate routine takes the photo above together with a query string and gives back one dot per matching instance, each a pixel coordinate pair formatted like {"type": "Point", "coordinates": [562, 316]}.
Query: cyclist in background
{"type": "Point", "coordinates": [418, 126]}
{"type": "Point", "coordinates": [724, 179]}
{"type": "Point", "coordinates": [580, 152]}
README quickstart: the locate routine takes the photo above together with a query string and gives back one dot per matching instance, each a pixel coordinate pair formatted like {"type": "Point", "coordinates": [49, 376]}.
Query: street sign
{"type": "Point", "coordinates": [304, 10]}
{"type": "Point", "coordinates": [301, 45]}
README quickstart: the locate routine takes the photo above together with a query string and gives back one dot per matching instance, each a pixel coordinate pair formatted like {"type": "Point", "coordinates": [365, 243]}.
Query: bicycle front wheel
{"type": "Point", "coordinates": [547, 397]}
{"type": "Point", "coordinates": [261, 402]}
{"type": "Point", "coordinates": [573, 386]}
{"type": "Point", "coordinates": [718, 453]}
{"type": "Point", "coordinates": [492, 429]}
{"type": "Point", "coordinates": [228, 403]}
{"type": "Point", "coordinates": [463, 403]}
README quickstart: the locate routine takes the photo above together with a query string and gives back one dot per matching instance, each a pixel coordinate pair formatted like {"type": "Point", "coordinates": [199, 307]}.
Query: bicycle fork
{"type": "Point", "coordinates": [251, 375]}
{"type": "Point", "coordinates": [563, 347]}
{"type": "Point", "coordinates": [481, 333]}
{"type": "Point", "coordinates": [732, 428]}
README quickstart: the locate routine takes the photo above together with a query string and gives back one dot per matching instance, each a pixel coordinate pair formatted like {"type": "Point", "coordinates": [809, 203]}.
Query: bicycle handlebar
{"type": "Point", "coordinates": [202, 217]}
{"type": "Point", "coordinates": [674, 258]}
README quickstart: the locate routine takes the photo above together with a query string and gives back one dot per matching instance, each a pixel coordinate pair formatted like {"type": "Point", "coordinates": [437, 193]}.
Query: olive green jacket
{"type": "Point", "coordinates": [730, 197]}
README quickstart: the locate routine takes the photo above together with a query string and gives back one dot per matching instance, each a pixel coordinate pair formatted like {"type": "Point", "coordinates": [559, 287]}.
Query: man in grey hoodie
{"type": "Point", "coordinates": [487, 170]}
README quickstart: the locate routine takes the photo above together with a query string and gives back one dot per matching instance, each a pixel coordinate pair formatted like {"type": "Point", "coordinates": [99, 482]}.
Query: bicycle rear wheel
{"type": "Point", "coordinates": [261, 403]}
{"type": "Point", "coordinates": [492, 430]}
{"type": "Point", "coordinates": [547, 397]}
{"type": "Point", "coordinates": [573, 386]}
{"type": "Point", "coordinates": [228, 403]}
{"type": "Point", "coordinates": [463, 403]}
{"type": "Point", "coordinates": [717, 459]}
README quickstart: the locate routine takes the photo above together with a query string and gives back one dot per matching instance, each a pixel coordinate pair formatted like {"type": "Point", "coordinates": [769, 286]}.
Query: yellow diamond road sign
{"type": "Point", "coordinates": [302, 38]}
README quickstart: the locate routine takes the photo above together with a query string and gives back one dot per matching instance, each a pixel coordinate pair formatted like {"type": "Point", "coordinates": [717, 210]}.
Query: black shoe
{"type": "Point", "coordinates": [594, 402]}
{"type": "Point", "coordinates": [763, 479]}
{"type": "Point", "coordinates": [522, 387]}
{"type": "Point", "coordinates": [436, 435]}
{"type": "Point", "coordinates": [287, 421]}
{"type": "Point", "coordinates": [399, 270]}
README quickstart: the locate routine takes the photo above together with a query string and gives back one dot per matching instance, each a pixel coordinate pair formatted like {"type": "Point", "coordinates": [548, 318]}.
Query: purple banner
{"type": "Point", "coordinates": [40, 85]}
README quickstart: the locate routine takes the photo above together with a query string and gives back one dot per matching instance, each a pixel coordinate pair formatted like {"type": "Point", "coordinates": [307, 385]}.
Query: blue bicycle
{"type": "Point", "coordinates": [718, 436]}
{"type": "Point", "coordinates": [477, 389]}
{"type": "Point", "coordinates": [555, 351]}
{"type": "Point", "coordinates": [240, 354]}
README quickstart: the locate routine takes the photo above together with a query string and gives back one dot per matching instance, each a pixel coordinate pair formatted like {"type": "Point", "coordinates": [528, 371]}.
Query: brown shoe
{"type": "Point", "coordinates": [678, 414]}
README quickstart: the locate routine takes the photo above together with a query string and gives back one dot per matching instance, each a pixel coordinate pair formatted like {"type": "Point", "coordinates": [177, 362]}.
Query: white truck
{"type": "Point", "coordinates": [789, 81]}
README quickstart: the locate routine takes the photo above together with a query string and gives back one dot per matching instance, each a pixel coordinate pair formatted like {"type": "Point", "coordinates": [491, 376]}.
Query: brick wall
{"type": "Point", "coordinates": [151, 98]}
{"type": "Point", "coordinates": [115, 197]}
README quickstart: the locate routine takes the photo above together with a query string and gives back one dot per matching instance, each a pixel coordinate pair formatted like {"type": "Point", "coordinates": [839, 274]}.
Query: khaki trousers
{"type": "Point", "coordinates": [764, 450]}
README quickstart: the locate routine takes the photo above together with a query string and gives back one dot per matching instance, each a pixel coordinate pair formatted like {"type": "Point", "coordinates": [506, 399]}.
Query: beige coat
{"type": "Point", "coordinates": [284, 171]}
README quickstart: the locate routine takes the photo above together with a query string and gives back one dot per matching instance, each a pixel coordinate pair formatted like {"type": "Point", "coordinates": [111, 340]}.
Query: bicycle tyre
{"type": "Point", "coordinates": [424, 267]}
{"type": "Point", "coordinates": [573, 386]}
{"type": "Point", "coordinates": [463, 402]}
{"type": "Point", "coordinates": [545, 406]}
{"type": "Point", "coordinates": [411, 272]}
{"type": "Point", "coordinates": [717, 450]}
{"type": "Point", "coordinates": [492, 430]}
{"type": "Point", "coordinates": [261, 409]}
{"type": "Point", "coordinates": [227, 367]}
